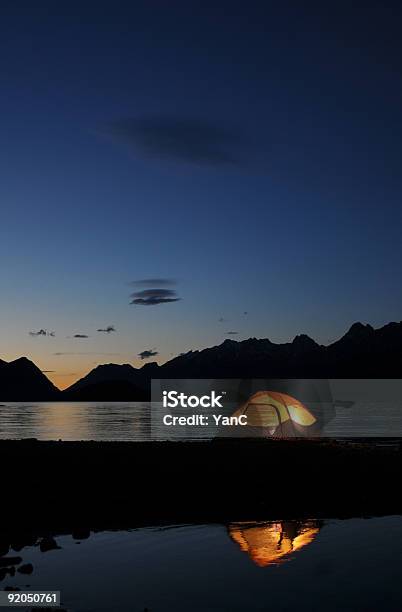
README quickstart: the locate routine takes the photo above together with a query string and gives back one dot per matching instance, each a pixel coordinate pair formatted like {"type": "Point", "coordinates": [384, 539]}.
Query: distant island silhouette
{"type": "Point", "coordinates": [363, 352]}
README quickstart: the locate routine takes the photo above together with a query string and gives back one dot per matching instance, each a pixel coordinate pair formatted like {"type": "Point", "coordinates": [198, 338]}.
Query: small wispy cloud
{"type": "Point", "coordinates": [152, 297]}
{"type": "Point", "coordinates": [147, 353]}
{"type": "Point", "coordinates": [42, 332]}
{"type": "Point", "coordinates": [107, 330]}
{"type": "Point", "coordinates": [232, 333]}
{"type": "Point", "coordinates": [156, 292]}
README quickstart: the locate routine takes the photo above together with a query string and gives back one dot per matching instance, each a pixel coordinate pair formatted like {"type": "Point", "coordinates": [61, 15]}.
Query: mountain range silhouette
{"type": "Point", "coordinates": [363, 352]}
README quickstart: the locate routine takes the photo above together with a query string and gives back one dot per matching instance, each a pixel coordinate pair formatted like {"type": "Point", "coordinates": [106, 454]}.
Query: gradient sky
{"type": "Point", "coordinates": [250, 151]}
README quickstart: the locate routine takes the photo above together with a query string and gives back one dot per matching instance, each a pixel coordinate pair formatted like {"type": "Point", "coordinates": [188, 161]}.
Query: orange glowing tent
{"type": "Point", "coordinates": [277, 414]}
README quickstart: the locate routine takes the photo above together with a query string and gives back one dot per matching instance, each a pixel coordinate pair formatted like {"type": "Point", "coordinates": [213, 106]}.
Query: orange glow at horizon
{"type": "Point", "coordinates": [62, 381]}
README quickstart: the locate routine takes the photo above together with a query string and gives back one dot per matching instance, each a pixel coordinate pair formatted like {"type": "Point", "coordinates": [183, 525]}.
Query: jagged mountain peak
{"type": "Point", "coordinates": [22, 360]}
{"type": "Point", "coordinates": [228, 342]}
{"type": "Point", "coordinates": [304, 341]}
{"type": "Point", "coordinates": [151, 365]}
{"type": "Point", "coordinates": [105, 366]}
{"type": "Point", "coordinates": [358, 329]}
{"type": "Point", "coordinates": [22, 380]}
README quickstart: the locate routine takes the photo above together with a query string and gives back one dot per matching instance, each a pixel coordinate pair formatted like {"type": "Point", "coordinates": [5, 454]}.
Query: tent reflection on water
{"type": "Point", "coordinates": [277, 414]}
{"type": "Point", "coordinates": [273, 543]}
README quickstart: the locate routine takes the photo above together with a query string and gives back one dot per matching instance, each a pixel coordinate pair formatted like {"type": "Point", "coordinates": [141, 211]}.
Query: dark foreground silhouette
{"type": "Point", "coordinates": [105, 484]}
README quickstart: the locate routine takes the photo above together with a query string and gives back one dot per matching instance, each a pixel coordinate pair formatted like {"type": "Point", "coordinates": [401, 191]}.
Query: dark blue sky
{"type": "Point", "coordinates": [251, 151]}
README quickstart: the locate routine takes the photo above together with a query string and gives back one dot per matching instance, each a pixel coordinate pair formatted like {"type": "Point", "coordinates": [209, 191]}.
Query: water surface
{"type": "Point", "coordinates": [133, 421]}
{"type": "Point", "coordinates": [310, 565]}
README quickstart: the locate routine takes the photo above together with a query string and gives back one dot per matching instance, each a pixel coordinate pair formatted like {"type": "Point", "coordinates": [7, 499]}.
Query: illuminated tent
{"type": "Point", "coordinates": [273, 543]}
{"type": "Point", "coordinates": [279, 413]}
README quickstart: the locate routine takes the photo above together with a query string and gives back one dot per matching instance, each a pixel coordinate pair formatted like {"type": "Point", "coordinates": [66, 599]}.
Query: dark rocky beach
{"type": "Point", "coordinates": [49, 485]}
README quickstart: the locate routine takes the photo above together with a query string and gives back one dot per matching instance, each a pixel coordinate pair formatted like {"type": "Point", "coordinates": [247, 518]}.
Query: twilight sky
{"type": "Point", "coordinates": [244, 157]}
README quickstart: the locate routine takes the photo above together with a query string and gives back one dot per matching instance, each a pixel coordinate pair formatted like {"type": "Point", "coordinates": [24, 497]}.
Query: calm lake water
{"type": "Point", "coordinates": [133, 421]}
{"type": "Point", "coordinates": [330, 565]}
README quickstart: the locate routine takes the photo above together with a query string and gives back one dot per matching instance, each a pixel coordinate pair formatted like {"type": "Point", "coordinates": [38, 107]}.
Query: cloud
{"type": "Point", "coordinates": [190, 140]}
{"type": "Point", "coordinates": [156, 292]}
{"type": "Point", "coordinates": [151, 297]}
{"type": "Point", "coordinates": [42, 332]}
{"type": "Point", "coordinates": [80, 336]}
{"type": "Point", "coordinates": [221, 320]}
{"type": "Point", "coordinates": [147, 353]}
{"type": "Point", "coordinates": [232, 333]}
{"type": "Point", "coordinates": [107, 330]}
